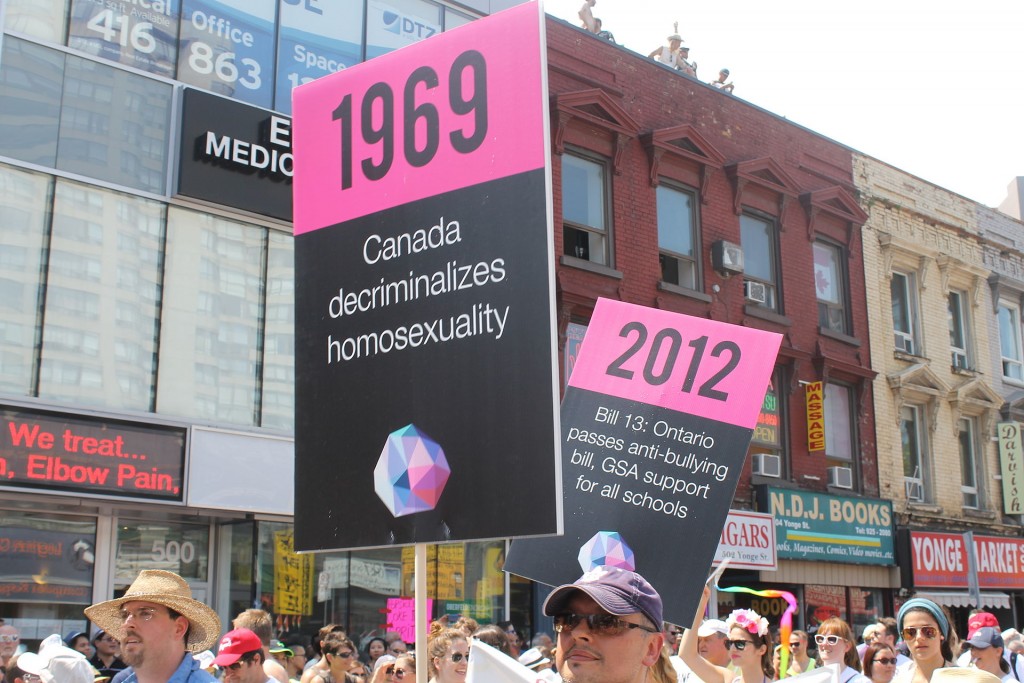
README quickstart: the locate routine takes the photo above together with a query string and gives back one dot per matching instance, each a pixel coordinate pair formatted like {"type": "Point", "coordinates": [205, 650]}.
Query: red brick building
{"type": "Point", "coordinates": [652, 172]}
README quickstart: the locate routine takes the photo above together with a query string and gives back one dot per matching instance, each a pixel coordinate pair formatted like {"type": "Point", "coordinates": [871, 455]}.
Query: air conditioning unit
{"type": "Point", "coordinates": [914, 489]}
{"type": "Point", "coordinates": [904, 343]}
{"type": "Point", "coordinates": [726, 258]}
{"type": "Point", "coordinates": [840, 477]}
{"type": "Point", "coordinates": [755, 291]}
{"type": "Point", "coordinates": [959, 360]}
{"type": "Point", "coordinates": [767, 465]}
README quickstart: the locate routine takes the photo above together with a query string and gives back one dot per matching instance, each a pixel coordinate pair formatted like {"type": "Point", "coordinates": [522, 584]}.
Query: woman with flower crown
{"type": "Point", "coordinates": [749, 644]}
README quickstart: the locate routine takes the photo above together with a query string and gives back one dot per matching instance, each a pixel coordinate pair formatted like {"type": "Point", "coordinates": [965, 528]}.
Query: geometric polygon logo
{"type": "Point", "coordinates": [411, 472]}
{"type": "Point", "coordinates": [606, 548]}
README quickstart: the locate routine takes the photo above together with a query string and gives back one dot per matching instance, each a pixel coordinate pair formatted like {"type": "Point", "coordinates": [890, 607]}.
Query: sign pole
{"type": "Point", "coordinates": [420, 597]}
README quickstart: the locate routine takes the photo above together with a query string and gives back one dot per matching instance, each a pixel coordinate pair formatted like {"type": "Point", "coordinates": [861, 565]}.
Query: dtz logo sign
{"type": "Point", "coordinates": [407, 27]}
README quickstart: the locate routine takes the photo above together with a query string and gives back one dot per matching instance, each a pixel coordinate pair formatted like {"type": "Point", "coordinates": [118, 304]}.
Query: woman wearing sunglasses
{"type": "Point", "coordinates": [448, 650]}
{"type": "Point", "coordinates": [929, 635]}
{"type": "Point", "coordinates": [749, 643]}
{"type": "Point", "coordinates": [879, 662]}
{"type": "Point", "coordinates": [836, 646]}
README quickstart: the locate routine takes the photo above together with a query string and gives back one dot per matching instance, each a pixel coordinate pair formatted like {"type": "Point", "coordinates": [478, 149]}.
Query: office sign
{"type": "Point", "coordinates": [227, 47]}
{"type": "Point", "coordinates": [656, 422]}
{"type": "Point", "coordinates": [55, 452]}
{"type": "Point", "coordinates": [235, 154]}
{"type": "Point", "coordinates": [426, 372]}
{"type": "Point", "coordinates": [139, 33]}
{"type": "Point", "coordinates": [817, 526]}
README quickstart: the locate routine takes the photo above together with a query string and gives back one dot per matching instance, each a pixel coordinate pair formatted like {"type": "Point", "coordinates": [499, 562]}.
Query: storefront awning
{"type": "Point", "coordinates": [956, 599]}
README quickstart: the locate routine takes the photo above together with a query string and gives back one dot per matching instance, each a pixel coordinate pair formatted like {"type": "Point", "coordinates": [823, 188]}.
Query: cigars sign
{"type": "Point", "coordinates": [54, 451]}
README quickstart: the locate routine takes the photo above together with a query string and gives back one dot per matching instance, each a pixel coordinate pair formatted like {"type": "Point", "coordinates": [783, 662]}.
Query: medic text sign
{"type": "Point", "coordinates": [656, 422]}
{"type": "Point", "coordinates": [66, 453]}
{"type": "Point", "coordinates": [426, 387]}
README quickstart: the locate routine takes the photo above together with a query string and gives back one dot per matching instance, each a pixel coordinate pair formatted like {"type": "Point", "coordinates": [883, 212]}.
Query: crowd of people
{"type": "Point", "coordinates": [675, 55]}
{"type": "Point", "coordinates": [608, 629]}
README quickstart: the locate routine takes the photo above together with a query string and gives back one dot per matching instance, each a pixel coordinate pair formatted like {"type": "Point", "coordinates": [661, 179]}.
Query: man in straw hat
{"type": "Point", "coordinates": [159, 625]}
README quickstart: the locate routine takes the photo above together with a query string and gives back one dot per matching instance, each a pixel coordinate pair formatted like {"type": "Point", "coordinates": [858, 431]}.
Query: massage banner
{"type": "Point", "coordinates": [426, 371]}
{"type": "Point", "coordinates": [656, 422]}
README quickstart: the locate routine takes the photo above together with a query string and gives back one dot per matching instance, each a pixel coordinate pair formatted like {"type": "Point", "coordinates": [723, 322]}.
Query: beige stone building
{"type": "Point", "coordinates": [930, 318]}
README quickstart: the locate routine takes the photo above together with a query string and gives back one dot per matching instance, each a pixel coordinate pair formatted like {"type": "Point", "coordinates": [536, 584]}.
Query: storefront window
{"type": "Point", "coordinates": [180, 548]}
{"type": "Point", "coordinates": [865, 607]}
{"type": "Point", "coordinates": [823, 602]}
{"type": "Point", "coordinates": [46, 573]}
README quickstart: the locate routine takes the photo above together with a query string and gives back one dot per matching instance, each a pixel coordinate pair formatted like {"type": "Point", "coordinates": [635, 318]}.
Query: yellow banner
{"type": "Point", "coordinates": [293, 577]}
{"type": "Point", "coordinates": [815, 416]}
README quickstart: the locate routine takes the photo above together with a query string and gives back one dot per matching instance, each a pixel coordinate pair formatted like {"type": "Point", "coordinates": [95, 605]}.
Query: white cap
{"type": "Point", "coordinates": [57, 664]}
{"type": "Point", "coordinates": [712, 626]}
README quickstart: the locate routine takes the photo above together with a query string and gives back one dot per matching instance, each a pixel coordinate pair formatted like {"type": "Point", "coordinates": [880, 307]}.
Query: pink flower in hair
{"type": "Point", "coordinates": [749, 620]}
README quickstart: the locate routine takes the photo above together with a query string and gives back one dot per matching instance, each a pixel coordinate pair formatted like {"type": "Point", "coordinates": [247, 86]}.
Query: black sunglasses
{"type": "Point", "coordinates": [885, 660]}
{"type": "Point", "coordinates": [238, 665]}
{"type": "Point", "coordinates": [740, 645]}
{"type": "Point", "coordinates": [601, 624]}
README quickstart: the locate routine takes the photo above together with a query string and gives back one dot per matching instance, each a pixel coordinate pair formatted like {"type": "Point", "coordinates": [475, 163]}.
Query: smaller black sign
{"type": "Point", "coordinates": [65, 453]}
{"type": "Point", "coordinates": [235, 154]}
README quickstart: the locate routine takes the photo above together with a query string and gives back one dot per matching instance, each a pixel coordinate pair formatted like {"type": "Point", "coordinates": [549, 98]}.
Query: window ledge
{"type": "Point", "coordinates": [967, 372]}
{"type": "Point", "coordinates": [909, 357]}
{"type": "Point", "coordinates": [765, 314]}
{"type": "Point", "coordinates": [980, 514]}
{"type": "Point", "coordinates": [839, 336]}
{"type": "Point", "coordinates": [924, 507]}
{"type": "Point", "coordinates": [590, 267]}
{"type": "Point", "coordinates": [1012, 381]}
{"type": "Point", "coordinates": [684, 291]}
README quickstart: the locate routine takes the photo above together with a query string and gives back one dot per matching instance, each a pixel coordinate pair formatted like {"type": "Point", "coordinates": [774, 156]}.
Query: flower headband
{"type": "Point", "coordinates": [748, 620]}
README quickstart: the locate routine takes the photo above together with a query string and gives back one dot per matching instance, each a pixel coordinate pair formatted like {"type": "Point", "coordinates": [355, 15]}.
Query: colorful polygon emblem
{"type": "Point", "coordinates": [411, 472]}
{"type": "Point", "coordinates": [606, 548]}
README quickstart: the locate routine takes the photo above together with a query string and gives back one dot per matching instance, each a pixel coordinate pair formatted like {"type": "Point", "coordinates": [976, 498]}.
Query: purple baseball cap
{"type": "Point", "coordinates": [618, 591]}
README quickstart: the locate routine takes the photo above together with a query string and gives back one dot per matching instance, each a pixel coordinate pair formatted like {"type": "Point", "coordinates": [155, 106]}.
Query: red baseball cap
{"type": "Point", "coordinates": [981, 620]}
{"type": "Point", "coordinates": [234, 644]}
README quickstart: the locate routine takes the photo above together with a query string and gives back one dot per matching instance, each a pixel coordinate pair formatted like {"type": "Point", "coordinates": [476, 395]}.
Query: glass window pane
{"type": "Point", "coordinates": [144, 544]}
{"type": "Point", "coordinates": [583, 191]}
{"type": "Point", "coordinates": [102, 298]}
{"type": "Point", "coordinates": [240, 65]}
{"type": "Point", "coordinates": [279, 339]}
{"type": "Point", "coordinates": [758, 248]}
{"type": "Point", "coordinates": [967, 469]}
{"type": "Point", "coordinates": [114, 125]}
{"type": "Point", "coordinates": [675, 221]}
{"type": "Point", "coordinates": [900, 307]}
{"type": "Point", "coordinates": [30, 92]}
{"type": "Point", "coordinates": [42, 19]}
{"type": "Point", "coordinates": [23, 229]}
{"type": "Point", "coordinates": [391, 24]}
{"type": "Point", "coordinates": [209, 363]}
{"type": "Point", "coordinates": [909, 431]}
{"type": "Point", "coordinates": [838, 434]}
{"type": "Point", "coordinates": [68, 572]}
{"type": "Point", "coordinates": [827, 282]}
{"type": "Point", "coordinates": [314, 40]}
{"type": "Point", "coordinates": [121, 33]}
{"type": "Point", "coordinates": [956, 321]}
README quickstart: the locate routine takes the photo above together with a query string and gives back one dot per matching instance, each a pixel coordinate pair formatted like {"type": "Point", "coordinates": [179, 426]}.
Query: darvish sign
{"type": "Point", "coordinates": [426, 372]}
{"type": "Point", "coordinates": [656, 422]}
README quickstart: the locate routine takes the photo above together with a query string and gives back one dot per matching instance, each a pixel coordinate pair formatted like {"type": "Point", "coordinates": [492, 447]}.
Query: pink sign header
{"type": "Point", "coordinates": [691, 365]}
{"type": "Point", "coordinates": [458, 109]}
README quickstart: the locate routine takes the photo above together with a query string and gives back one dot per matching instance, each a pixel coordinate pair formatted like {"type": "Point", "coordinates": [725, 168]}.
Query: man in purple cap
{"type": "Point", "coordinates": [609, 627]}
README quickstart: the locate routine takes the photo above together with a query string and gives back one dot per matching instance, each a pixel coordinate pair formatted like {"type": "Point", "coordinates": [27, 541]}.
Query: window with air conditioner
{"type": "Point", "coordinates": [840, 477]}
{"type": "Point", "coordinates": [1010, 342]}
{"type": "Point", "coordinates": [958, 330]}
{"type": "Point", "coordinates": [830, 286]}
{"type": "Point", "coordinates": [767, 445]}
{"type": "Point", "coordinates": [969, 479]}
{"type": "Point", "coordinates": [904, 313]}
{"type": "Point", "coordinates": [585, 222]}
{"type": "Point", "coordinates": [759, 239]}
{"type": "Point", "coordinates": [840, 433]}
{"type": "Point", "coordinates": [678, 236]}
{"type": "Point", "coordinates": [766, 465]}
{"type": "Point", "coordinates": [912, 437]}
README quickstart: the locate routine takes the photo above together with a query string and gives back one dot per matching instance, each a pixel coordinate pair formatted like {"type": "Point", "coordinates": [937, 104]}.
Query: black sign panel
{"type": "Point", "coordinates": [64, 453]}
{"type": "Point", "coordinates": [235, 154]}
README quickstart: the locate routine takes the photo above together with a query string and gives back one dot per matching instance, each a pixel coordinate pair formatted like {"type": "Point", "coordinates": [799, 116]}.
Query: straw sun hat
{"type": "Point", "coordinates": [171, 591]}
